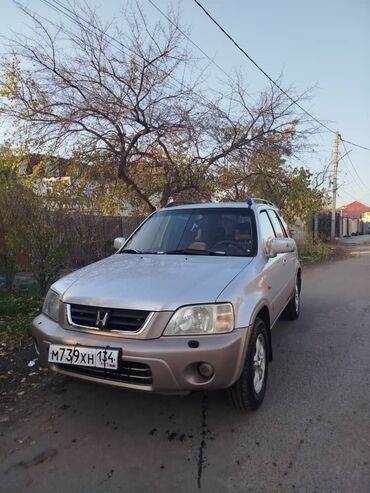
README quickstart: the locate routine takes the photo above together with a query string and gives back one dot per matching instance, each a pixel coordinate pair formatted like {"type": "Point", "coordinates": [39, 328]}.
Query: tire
{"type": "Point", "coordinates": [248, 392]}
{"type": "Point", "coordinates": [292, 309]}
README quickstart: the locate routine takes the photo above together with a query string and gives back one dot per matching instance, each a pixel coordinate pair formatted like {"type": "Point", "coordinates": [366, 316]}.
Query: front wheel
{"type": "Point", "coordinates": [248, 392]}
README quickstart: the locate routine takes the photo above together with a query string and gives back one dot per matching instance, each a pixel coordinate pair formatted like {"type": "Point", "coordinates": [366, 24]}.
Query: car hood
{"type": "Point", "coordinates": [150, 282]}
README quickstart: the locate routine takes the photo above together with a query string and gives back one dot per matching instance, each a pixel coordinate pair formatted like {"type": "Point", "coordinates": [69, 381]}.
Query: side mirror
{"type": "Point", "coordinates": [281, 245]}
{"type": "Point", "coordinates": [118, 243]}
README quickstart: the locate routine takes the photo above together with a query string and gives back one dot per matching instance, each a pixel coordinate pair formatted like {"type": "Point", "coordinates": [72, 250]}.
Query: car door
{"type": "Point", "coordinates": [287, 261]}
{"type": "Point", "coordinates": [272, 266]}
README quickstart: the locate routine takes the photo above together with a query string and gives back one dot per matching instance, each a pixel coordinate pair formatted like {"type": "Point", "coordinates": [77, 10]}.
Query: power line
{"type": "Point", "coordinates": [191, 41]}
{"type": "Point", "coordinates": [261, 69]}
{"type": "Point", "coordinates": [344, 155]}
{"type": "Point", "coordinates": [270, 78]}
{"type": "Point", "coordinates": [349, 171]}
{"type": "Point", "coordinates": [51, 3]}
{"type": "Point", "coordinates": [353, 167]}
{"type": "Point", "coordinates": [205, 54]}
{"type": "Point", "coordinates": [356, 179]}
{"type": "Point", "coordinates": [75, 17]}
{"type": "Point", "coordinates": [356, 145]}
{"type": "Point", "coordinates": [347, 193]}
{"type": "Point", "coordinates": [355, 182]}
{"type": "Point", "coordinates": [60, 7]}
{"type": "Point", "coordinates": [222, 69]}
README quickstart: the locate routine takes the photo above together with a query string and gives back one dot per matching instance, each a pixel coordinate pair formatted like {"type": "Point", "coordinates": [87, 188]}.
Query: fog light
{"type": "Point", "coordinates": [206, 370]}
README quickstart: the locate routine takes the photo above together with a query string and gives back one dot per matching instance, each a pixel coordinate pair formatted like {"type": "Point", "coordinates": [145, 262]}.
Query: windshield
{"type": "Point", "coordinates": [209, 231]}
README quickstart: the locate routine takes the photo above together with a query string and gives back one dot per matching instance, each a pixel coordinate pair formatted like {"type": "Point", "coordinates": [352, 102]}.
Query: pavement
{"type": "Point", "coordinates": [354, 240]}
{"type": "Point", "coordinates": [311, 434]}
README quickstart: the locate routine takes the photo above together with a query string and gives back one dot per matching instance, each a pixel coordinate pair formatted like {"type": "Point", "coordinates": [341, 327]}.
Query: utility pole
{"type": "Point", "coordinates": [335, 183]}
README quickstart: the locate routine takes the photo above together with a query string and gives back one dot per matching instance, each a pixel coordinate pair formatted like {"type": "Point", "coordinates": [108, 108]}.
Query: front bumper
{"type": "Point", "coordinates": [173, 364]}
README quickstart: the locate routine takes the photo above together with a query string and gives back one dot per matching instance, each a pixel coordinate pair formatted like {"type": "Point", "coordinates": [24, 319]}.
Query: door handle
{"type": "Point", "coordinates": [285, 261]}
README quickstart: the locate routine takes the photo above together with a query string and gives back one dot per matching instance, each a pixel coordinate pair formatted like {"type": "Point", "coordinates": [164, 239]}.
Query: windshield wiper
{"type": "Point", "coordinates": [131, 250]}
{"type": "Point", "coordinates": [193, 251]}
{"type": "Point", "coordinates": [184, 251]}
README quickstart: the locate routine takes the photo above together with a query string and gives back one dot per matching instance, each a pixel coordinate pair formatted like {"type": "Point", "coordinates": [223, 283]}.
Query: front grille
{"type": "Point", "coordinates": [129, 372]}
{"type": "Point", "coordinates": [116, 319]}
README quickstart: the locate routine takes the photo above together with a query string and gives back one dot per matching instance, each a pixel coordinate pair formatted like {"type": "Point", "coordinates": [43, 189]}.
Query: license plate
{"type": "Point", "coordinates": [84, 356]}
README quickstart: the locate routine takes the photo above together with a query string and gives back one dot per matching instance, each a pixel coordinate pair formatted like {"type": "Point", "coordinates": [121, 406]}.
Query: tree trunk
{"type": "Point", "coordinates": [122, 174]}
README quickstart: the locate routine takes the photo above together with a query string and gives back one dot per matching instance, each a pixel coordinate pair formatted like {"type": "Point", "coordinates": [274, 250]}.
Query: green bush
{"type": "Point", "coordinates": [17, 310]}
{"type": "Point", "coordinates": [314, 251]}
{"type": "Point", "coordinates": [27, 228]}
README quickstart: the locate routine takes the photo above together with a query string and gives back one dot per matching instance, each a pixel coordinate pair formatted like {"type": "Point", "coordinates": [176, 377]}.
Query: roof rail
{"type": "Point", "coordinates": [174, 204]}
{"type": "Point", "coordinates": [257, 200]}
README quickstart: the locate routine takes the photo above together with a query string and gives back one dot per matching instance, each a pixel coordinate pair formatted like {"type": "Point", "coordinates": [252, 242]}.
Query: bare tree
{"type": "Point", "coordinates": [95, 91]}
{"type": "Point", "coordinates": [128, 93]}
{"type": "Point", "coordinates": [235, 138]}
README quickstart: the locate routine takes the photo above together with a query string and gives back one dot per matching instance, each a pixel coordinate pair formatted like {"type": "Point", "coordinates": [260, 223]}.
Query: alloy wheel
{"type": "Point", "coordinates": [259, 364]}
{"type": "Point", "coordinates": [297, 298]}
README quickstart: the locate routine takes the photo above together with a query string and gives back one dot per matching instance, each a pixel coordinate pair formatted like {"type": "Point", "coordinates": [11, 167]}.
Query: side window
{"type": "Point", "coordinates": [267, 231]}
{"type": "Point", "coordinates": [284, 224]}
{"type": "Point", "coordinates": [278, 227]}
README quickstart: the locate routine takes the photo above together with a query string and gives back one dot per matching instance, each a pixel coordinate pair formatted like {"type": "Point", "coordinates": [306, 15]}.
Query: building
{"type": "Point", "coordinates": [354, 210]}
{"type": "Point", "coordinates": [354, 218]}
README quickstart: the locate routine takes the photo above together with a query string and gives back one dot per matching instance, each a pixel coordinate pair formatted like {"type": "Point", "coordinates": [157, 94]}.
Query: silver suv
{"type": "Point", "coordinates": [187, 303]}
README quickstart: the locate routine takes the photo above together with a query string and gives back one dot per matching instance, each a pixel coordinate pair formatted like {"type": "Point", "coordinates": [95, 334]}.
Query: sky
{"type": "Point", "coordinates": [323, 44]}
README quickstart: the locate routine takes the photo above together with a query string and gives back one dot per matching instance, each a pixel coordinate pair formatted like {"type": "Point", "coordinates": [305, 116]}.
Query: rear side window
{"type": "Point", "coordinates": [278, 227]}
{"type": "Point", "coordinates": [267, 231]}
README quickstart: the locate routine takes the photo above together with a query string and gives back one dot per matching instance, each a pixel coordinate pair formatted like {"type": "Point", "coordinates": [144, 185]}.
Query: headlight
{"type": "Point", "coordinates": [201, 319]}
{"type": "Point", "coordinates": [51, 305]}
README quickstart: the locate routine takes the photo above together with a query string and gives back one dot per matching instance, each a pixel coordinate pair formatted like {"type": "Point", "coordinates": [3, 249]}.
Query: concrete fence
{"type": "Point", "coordinates": [319, 227]}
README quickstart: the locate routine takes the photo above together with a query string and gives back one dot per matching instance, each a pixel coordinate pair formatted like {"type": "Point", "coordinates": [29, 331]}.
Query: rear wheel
{"type": "Point", "coordinates": [248, 392]}
{"type": "Point", "coordinates": [293, 307]}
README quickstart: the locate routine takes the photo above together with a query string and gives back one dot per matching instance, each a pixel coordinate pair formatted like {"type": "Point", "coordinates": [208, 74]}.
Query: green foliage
{"type": "Point", "coordinates": [297, 198]}
{"type": "Point", "coordinates": [8, 265]}
{"type": "Point", "coordinates": [26, 229]}
{"type": "Point", "coordinates": [8, 253]}
{"type": "Point", "coordinates": [19, 303]}
{"type": "Point", "coordinates": [314, 251]}
{"type": "Point", "coordinates": [264, 172]}
{"type": "Point", "coordinates": [45, 249]}
{"type": "Point", "coordinates": [158, 142]}
{"type": "Point", "coordinates": [17, 310]}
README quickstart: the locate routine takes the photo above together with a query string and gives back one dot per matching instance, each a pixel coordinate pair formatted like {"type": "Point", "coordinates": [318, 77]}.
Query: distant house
{"type": "Point", "coordinates": [50, 172]}
{"type": "Point", "coordinates": [366, 216]}
{"type": "Point", "coordinates": [47, 186]}
{"type": "Point", "coordinates": [354, 218]}
{"type": "Point", "coordinates": [354, 210]}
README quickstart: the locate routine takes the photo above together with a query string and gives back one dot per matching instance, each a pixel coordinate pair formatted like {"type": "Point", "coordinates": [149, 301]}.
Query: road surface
{"type": "Point", "coordinates": [311, 434]}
